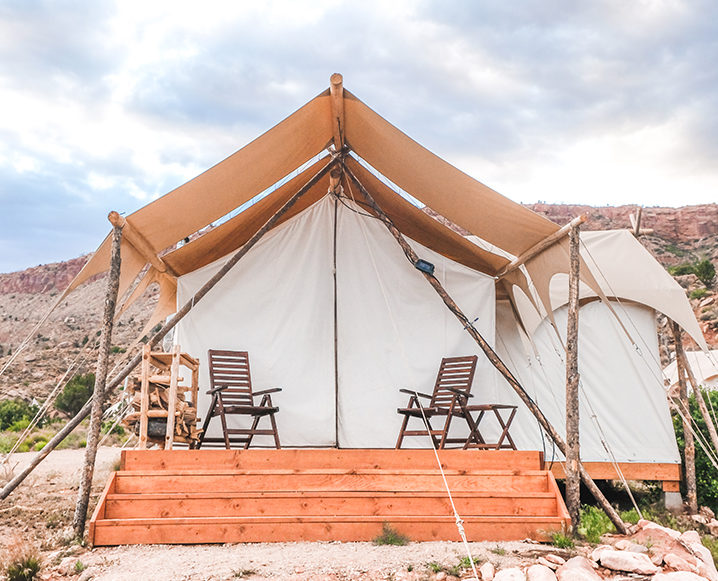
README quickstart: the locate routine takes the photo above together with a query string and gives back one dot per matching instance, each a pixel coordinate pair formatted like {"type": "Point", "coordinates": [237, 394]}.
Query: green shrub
{"type": "Point", "coordinates": [15, 410]}
{"type": "Point", "coordinates": [681, 269]}
{"type": "Point", "coordinates": [390, 536]}
{"type": "Point", "coordinates": [698, 293]}
{"type": "Point", "coordinates": [562, 541]}
{"type": "Point", "coordinates": [705, 271]}
{"type": "Point", "coordinates": [76, 393]}
{"type": "Point", "coordinates": [706, 473]}
{"type": "Point", "coordinates": [21, 561]}
{"type": "Point", "coordinates": [594, 524]}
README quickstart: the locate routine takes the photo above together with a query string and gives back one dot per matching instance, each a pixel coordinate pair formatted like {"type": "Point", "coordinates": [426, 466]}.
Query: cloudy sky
{"type": "Point", "coordinates": [106, 105]}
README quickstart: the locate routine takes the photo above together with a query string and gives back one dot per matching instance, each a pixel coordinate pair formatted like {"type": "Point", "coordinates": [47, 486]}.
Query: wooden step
{"type": "Point", "coordinates": [335, 528]}
{"type": "Point", "coordinates": [377, 480]}
{"type": "Point", "coordinates": [329, 458]}
{"type": "Point", "coordinates": [327, 503]}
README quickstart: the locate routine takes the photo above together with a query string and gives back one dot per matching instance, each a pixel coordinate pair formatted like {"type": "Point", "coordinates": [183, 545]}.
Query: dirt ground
{"type": "Point", "coordinates": [41, 508]}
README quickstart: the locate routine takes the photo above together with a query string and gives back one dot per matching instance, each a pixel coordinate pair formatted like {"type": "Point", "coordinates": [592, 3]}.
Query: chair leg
{"type": "Point", "coordinates": [274, 429]}
{"type": "Point", "coordinates": [224, 424]}
{"type": "Point", "coordinates": [205, 425]}
{"type": "Point", "coordinates": [401, 432]}
{"type": "Point", "coordinates": [255, 423]}
{"type": "Point", "coordinates": [445, 432]}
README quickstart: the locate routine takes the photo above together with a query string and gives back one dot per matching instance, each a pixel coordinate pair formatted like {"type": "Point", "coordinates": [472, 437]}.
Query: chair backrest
{"type": "Point", "coordinates": [230, 369]}
{"type": "Point", "coordinates": [454, 372]}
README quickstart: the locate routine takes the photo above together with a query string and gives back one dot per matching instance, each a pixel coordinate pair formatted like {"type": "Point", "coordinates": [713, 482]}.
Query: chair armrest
{"type": "Point", "coordinates": [459, 392]}
{"type": "Point", "coordinates": [216, 389]}
{"type": "Point", "coordinates": [412, 392]}
{"type": "Point", "coordinates": [265, 391]}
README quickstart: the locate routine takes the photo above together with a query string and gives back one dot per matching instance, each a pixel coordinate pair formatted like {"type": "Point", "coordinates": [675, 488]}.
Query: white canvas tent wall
{"type": "Point", "coordinates": [480, 211]}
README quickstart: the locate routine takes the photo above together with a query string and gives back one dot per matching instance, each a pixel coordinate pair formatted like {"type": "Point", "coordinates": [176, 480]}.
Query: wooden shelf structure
{"type": "Point", "coordinates": [162, 369]}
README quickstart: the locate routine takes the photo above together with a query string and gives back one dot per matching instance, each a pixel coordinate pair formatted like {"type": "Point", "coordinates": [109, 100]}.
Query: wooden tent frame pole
{"type": "Point", "coordinates": [700, 396]}
{"type": "Point", "coordinates": [100, 390]}
{"type": "Point", "coordinates": [491, 355]}
{"type": "Point", "coordinates": [689, 449]}
{"type": "Point", "coordinates": [167, 327]}
{"type": "Point", "coordinates": [573, 452]}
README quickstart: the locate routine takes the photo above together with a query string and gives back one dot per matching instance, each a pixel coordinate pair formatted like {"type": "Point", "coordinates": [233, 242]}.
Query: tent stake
{"type": "Point", "coordinates": [573, 456]}
{"type": "Point", "coordinates": [168, 326]}
{"type": "Point", "coordinates": [99, 392]}
{"type": "Point", "coordinates": [492, 356]}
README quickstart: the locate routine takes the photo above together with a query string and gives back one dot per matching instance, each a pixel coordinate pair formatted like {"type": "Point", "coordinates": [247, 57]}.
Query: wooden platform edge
{"type": "Point", "coordinates": [99, 512]}
{"type": "Point", "coordinates": [664, 472]}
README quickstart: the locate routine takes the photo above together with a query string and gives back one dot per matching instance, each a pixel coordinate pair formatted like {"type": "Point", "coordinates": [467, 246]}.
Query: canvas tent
{"type": "Point", "coordinates": [704, 366]}
{"type": "Point", "coordinates": [331, 310]}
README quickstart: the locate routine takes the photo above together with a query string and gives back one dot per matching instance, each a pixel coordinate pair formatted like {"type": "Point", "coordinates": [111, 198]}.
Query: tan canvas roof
{"type": "Point", "coordinates": [288, 146]}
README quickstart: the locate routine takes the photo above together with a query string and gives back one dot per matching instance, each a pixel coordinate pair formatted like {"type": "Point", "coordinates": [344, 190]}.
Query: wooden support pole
{"type": "Point", "coordinates": [144, 396]}
{"type": "Point", "coordinates": [100, 391]}
{"type": "Point", "coordinates": [697, 390]}
{"type": "Point", "coordinates": [689, 448]}
{"type": "Point", "coordinates": [540, 247]}
{"type": "Point", "coordinates": [490, 354]}
{"type": "Point", "coordinates": [172, 398]}
{"type": "Point", "coordinates": [573, 457]}
{"type": "Point", "coordinates": [166, 328]}
{"type": "Point", "coordinates": [336, 90]}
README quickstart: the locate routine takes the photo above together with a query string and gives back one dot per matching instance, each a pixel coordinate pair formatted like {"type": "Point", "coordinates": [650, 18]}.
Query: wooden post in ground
{"type": "Point", "coordinates": [166, 328]}
{"type": "Point", "coordinates": [700, 397]}
{"type": "Point", "coordinates": [491, 355]}
{"type": "Point", "coordinates": [573, 479]}
{"type": "Point", "coordinates": [689, 448]}
{"type": "Point", "coordinates": [99, 393]}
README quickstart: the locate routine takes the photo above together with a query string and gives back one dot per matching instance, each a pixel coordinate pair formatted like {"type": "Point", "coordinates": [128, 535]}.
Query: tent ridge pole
{"type": "Point", "coordinates": [491, 355]}
{"type": "Point", "coordinates": [168, 326]}
{"type": "Point", "coordinates": [135, 238]}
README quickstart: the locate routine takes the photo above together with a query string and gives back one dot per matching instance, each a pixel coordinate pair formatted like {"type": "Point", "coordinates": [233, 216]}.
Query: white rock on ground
{"type": "Point", "coordinates": [629, 562]}
{"type": "Point", "coordinates": [540, 573]}
{"type": "Point", "coordinates": [547, 563]}
{"type": "Point", "coordinates": [679, 563]}
{"type": "Point", "coordinates": [487, 571]}
{"type": "Point", "coordinates": [510, 574]}
{"type": "Point", "coordinates": [706, 565]}
{"type": "Point", "coordinates": [678, 576]}
{"type": "Point", "coordinates": [555, 559]}
{"type": "Point", "coordinates": [648, 525]}
{"type": "Point", "coordinates": [596, 553]}
{"type": "Point", "coordinates": [577, 569]}
{"type": "Point", "coordinates": [626, 545]}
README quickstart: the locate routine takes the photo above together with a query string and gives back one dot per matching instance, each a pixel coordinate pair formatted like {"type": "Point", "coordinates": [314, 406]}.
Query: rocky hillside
{"type": "Point", "coordinates": [679, 236]}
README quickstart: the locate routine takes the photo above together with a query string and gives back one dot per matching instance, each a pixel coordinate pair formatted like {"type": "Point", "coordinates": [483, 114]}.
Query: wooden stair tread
{"type": "Point", "coordinates": [178, 521]}
{"type": "Point", "coordinates": [327, 471]}
{"type": "Point", "coordinates": [325, 494]}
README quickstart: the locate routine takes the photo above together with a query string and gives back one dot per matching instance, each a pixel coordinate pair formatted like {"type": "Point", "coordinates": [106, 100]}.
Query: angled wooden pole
{"type": "Point", "coordinates": [698, 391]}
{"type": "Point", "coordinates": [99, 392]}
{"type": "Point", "coordinates": [573, 453]}
{"type": "Point", "coordinates": [166, 328]}
{"type": "Point", "coordinates": [541, 246]}
{"type": "Point", "coordinates": [689, 448]}
{"type": "Point", "coordinates": [490, 354]}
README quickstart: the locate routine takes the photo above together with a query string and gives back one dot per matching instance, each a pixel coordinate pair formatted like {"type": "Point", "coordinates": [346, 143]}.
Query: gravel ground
{"type": "Point", "coordinates": [41, 508]}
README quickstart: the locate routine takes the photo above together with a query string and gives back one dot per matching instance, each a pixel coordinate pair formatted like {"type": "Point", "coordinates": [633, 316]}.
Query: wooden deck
{"type": "Point", "coordinates": [221, 496]}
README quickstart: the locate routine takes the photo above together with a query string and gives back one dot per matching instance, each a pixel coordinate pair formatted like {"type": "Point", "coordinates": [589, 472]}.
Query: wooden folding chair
{"type": "Point", "coordinates": [231, 390]}
{"type": "Point", "coordinates": [451, 392]}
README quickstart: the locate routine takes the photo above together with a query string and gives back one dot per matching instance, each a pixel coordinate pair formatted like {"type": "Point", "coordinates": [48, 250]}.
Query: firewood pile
{"type": "Point", "coordinates": [185, 429]}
